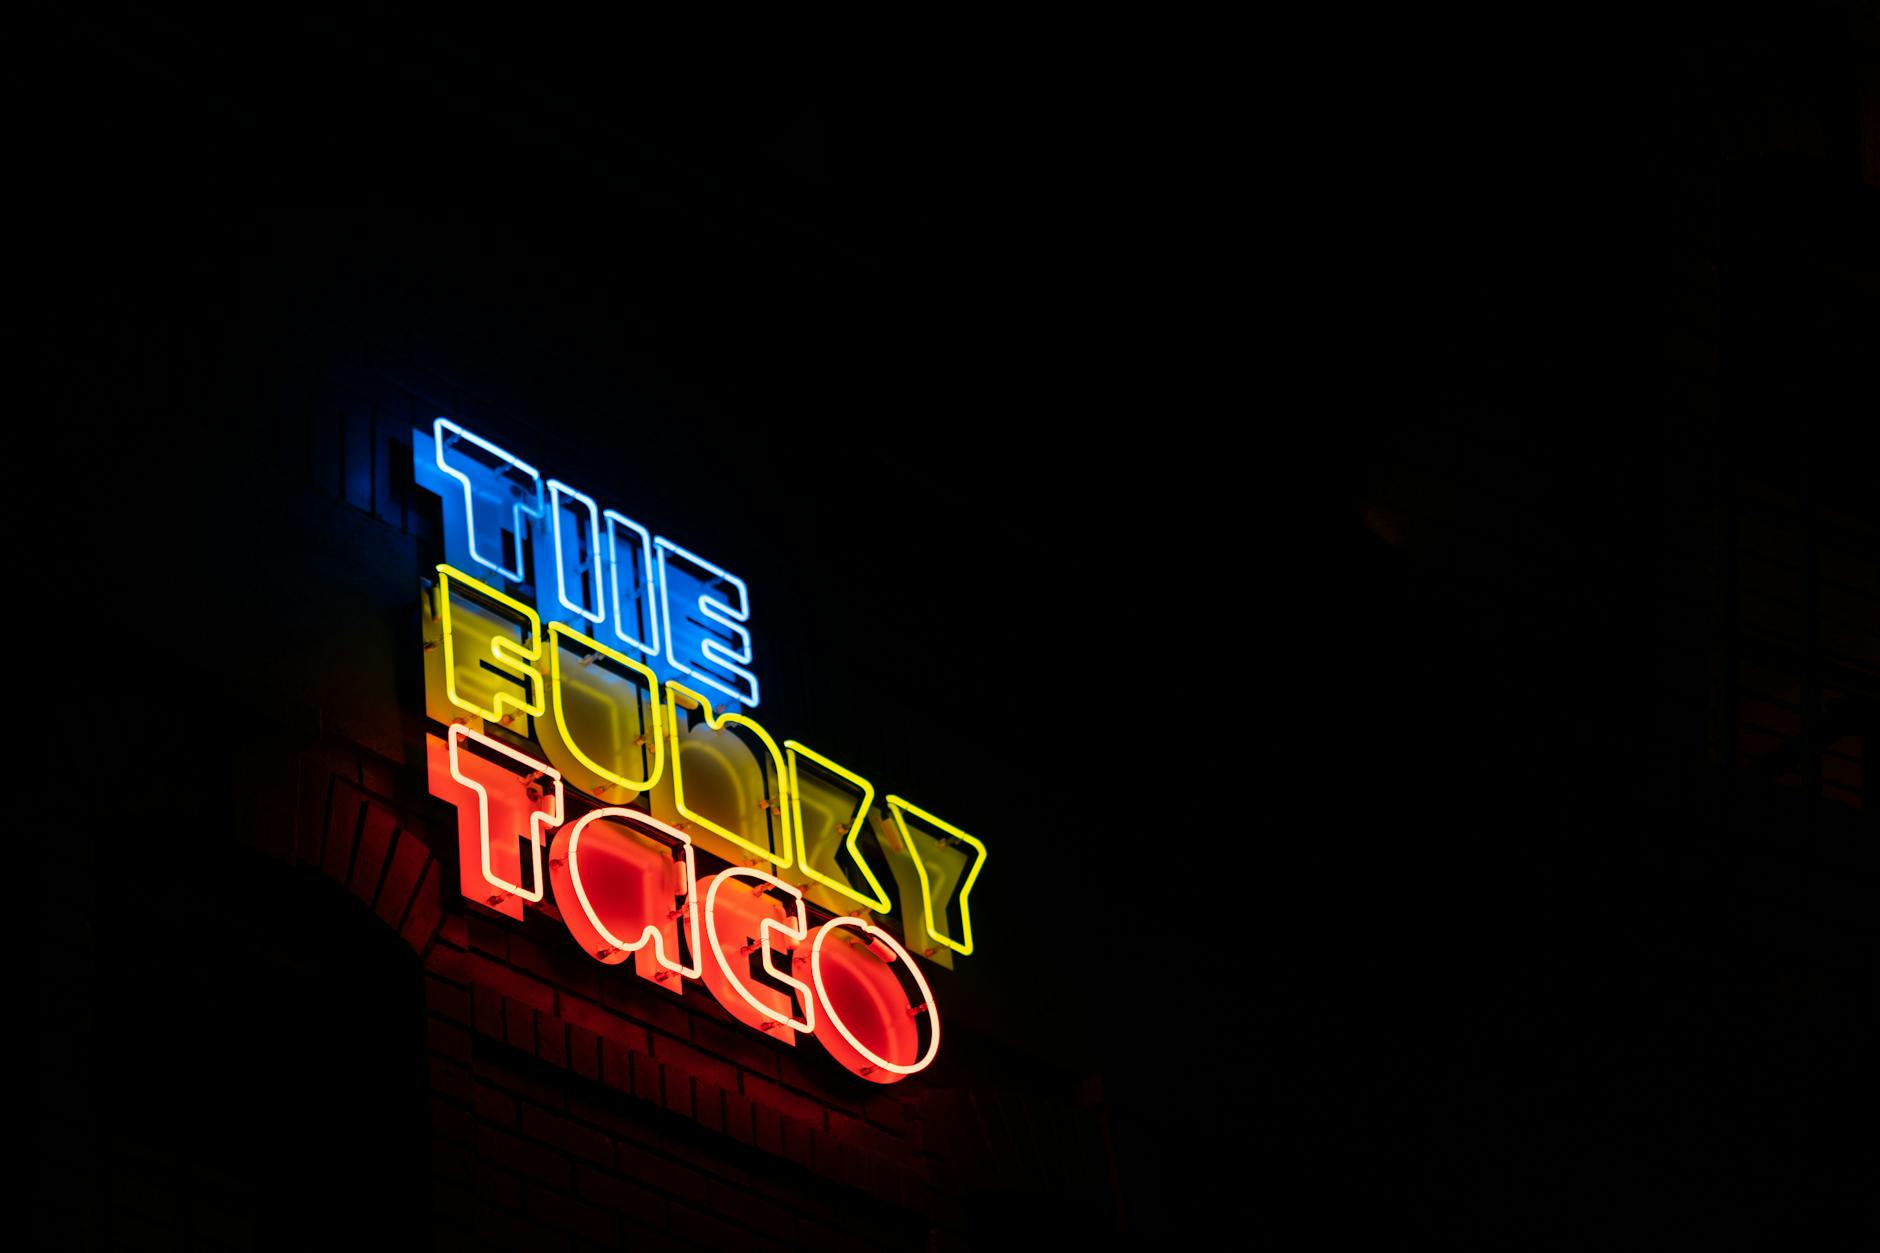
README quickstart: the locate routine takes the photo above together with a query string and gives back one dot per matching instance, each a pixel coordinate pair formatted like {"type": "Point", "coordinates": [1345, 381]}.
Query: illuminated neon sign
{"type": "Point", "coordinates": [595, 688]}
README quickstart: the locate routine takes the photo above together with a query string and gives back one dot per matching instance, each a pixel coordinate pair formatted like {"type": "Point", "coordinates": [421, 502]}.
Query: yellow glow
{"type": "Point", "coordinates": [556, 633]}
{"type": "Point", "coordinates": [899, 808]}
{"type": "Point", "coordinates": [677, 693]}
{"type": "Point", "coordinates": [879, 901]}
{"type": "Point", "coordinates": [518, 666]}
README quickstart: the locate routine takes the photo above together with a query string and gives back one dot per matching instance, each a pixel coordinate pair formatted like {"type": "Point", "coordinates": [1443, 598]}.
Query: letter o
{"type": "Point", "coordinates": [845, 988]}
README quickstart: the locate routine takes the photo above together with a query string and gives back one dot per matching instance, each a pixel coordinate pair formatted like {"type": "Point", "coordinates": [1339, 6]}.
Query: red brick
{"type": "Point", "coordinates": [584, 1053]}
{"type": "Point", "coordinates": [792, 1071]}
{"type": "Point", "coordinates": [646, 1078]}
{"type": "Point", "coordinates": [456, 930]}
{"type": "Point", "coordinates": [519, 1024]}
{"type": "Point", "coordinates": [577, 1217]}
{"type": "Point", "coordinates": [782, 1099]}
{"type": "Point", "coordinates": [443, 1038]}
{"type": "Point", "coordinates": [511, 983]}
{"type": "Point", "coordinates": [799, 1141]}
{"type": "Point", "coordinates": [655, 1008]}
{"type": "Point", "coordinates": [427, 909]}
{"type": "Point", "coordinates": [522, 1156]}
{"type": "Point", "coordinates": [738, 1044]}
{"type": "Point", "coordinates": [836, 1160]}
{"type": "Point", "coordinates": [606, 1025]}
{"type": "Point", "coordinates": [498, 1186]}
{"type": "Point", "coordinates": [447, 1000]}
{"type": "Point", "coordinates": [499, 1072]}
{"type": "Point", "coordinates": [616, 1066]}
{"type": "Point", "coordinates": [708, 1101]}
{"type": "Point", "coordinates": [766, 1128]}
{"type": "Point", "coordinates": [568, 1135]}
{"type": "Point", "coordinates": [712, 1232]}
{"type": "Point", "coordinates": [868, 1140]}
{"type": "Point", "coordinates": [488, 1006]}
{"type": "Point", "coordinates": [622, 1126]}
{"type": "Point", "coordinates": [448, 963]}
{"type": "Point", "coordinates": [738, 1117]}
{"type": "Point", "coordinates": [452, 1081]}
{"type": "Point", "coordinates": [887, 1112]}
{"type": "Point", "coordinates": [378, 776]}
{"type": "Point", "coordinates": [819, 1156]}
{"type": "Point", "coordinates": [345, 810]}
{"type": "Point", "coordinates": [676, 1094]}
{"type": "Point", "coordinates": [692, 1062]}
{"type": "Point", "coordinates": [787, 1192]}
{"type": "Point", "coordinates": [401, 879]}
{"type": "Point", "coordinates": [487, 937]}
{"type": "Point", "coordinates": [564, 965]}
{"type": "Point", "coordinates": [620, 1196]}
{"type": "Point", "coordinates": [658, 1171]}
{"type": "Point", "coordinates": [551, 1040]}
{"type": "Point", "coordinates": [495, 1106]}
{"type": "Point", "coordinates": [796, 1141]}
{"type": "Point", "coordinates": [713, 1163]}
{"type": "Point", "coordinates": [742, 1206]}
{"type": "Point", "coordinates": [375, 844]}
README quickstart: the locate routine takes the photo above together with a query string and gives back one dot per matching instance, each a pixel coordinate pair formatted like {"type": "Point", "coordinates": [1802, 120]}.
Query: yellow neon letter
{"type": "Point", "coordinates": [738, 800]}
{"type": "Point", "coordinates": [834, 880]}
{"type": "Point", "coordinates": [626, 740]}
{"type": "Point", "coordinates": [945, 871]}
{"type": "Point", "coordinates": [510, 658]}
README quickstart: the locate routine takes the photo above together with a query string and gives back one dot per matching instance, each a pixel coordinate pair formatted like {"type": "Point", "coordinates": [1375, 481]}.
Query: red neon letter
{"type": "Point", "coordinates": [618, 888]}
{"type": "Point", "coordinates": [867, 1021]}
{"type": "Point", "coordinates": [504, 799]}
{"type": "Point", "coordinates": [746, 927]}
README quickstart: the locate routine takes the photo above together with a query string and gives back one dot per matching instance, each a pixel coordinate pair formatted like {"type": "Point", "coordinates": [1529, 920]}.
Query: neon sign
{"type": "Point", "coordinates": [595, 687]}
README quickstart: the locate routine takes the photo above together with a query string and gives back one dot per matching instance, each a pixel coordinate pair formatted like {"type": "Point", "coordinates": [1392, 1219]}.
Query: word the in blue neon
{"type": "Point", "coordinates": [599, 571]}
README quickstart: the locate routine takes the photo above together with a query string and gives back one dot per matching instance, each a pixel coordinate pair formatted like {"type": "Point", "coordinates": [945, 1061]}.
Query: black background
{"type": "Point", "coordinates": [1037, 380]}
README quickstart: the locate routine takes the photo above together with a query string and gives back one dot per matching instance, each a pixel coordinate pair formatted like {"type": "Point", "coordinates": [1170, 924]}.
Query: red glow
{"type": "Point", "coordinates": [632, 883]}
{"type": "Point", "coordinates": [737, 919]}
{"type": "Point", "coordinates": [864, 992]}
{"type": "Point", "coordinates": [510, 807]}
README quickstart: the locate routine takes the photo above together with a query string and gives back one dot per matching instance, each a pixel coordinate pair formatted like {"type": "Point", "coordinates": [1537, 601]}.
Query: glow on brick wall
{"type": "Point", "coordinates": [597, 732]}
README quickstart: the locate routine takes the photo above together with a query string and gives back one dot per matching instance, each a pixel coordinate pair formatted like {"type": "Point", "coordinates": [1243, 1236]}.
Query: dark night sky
{"type": "Point", "coordinates": [1069, 358]}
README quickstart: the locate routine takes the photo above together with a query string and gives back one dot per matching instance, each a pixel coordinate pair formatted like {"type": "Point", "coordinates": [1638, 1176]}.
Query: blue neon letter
{"type": "Point", "coordinates": [498, 490]}
{"type": "Point", "coordinates": [578, 568]}
{"type": "Point", "coordinates": [703, 609]}
{"type": "Point", "coordinates": [630, 560]}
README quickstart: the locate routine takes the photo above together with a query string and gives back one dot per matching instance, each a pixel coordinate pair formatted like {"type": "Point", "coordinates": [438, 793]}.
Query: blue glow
{"type": "Point", "coordinates": [706, 623]}
{"type": "Point", "coordinates": [501, 480]}
{"type": "Point", "coordinates": [644, 612]}
{"type": "Point", "coordinates": [587, 574]}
